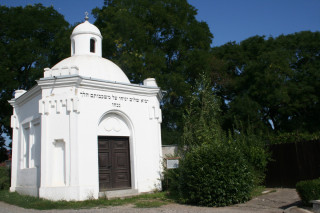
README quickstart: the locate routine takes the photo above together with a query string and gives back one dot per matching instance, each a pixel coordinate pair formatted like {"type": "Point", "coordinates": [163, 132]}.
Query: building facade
{"type": "Point", "coordinates": [84, 130]}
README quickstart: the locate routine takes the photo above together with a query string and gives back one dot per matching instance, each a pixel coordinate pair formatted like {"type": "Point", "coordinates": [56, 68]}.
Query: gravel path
{"type": "Point", "coordinates": [275, 202]}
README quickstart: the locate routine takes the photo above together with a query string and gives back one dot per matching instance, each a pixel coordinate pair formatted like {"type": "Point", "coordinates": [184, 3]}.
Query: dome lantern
{"type": "Point", "coordinates": [86, 57]}
{"type": "Point", "coordinates": [86, 39]}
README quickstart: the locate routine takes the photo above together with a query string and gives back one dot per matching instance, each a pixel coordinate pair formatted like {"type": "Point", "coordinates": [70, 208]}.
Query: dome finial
{"type": "Point", "coordinates": [86, 17]}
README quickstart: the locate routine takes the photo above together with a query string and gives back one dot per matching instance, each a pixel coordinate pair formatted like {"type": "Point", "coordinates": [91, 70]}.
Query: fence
{"type": "Point", "coordinates": [292, 162]}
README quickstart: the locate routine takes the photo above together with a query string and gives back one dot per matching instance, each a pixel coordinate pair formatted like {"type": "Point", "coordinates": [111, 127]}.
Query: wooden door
{"type": "Point", "coordinates": [114, 163]}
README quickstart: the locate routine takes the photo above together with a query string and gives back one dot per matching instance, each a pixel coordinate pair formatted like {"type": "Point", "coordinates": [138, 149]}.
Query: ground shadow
{"type": "Point", "coordinates": [297, 203]}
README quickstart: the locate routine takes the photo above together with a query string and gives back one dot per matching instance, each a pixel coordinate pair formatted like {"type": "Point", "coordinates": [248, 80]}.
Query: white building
{"type": "Point", "coordinates": [84, 130]}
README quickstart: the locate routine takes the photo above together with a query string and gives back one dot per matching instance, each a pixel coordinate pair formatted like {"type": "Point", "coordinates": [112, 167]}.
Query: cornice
{"type": "Point", "coordinates": [97, 84]}
{"type": "Point", "coordinates": [118, 87]}
{"type": "Point", "coordinates": [58, 82]}
{"type": "Point", "coordinates": [34, 91]}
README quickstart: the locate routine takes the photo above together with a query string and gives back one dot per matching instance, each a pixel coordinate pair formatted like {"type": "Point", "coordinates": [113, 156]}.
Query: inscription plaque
{"type": "Point", "coordinates": [172, 163]}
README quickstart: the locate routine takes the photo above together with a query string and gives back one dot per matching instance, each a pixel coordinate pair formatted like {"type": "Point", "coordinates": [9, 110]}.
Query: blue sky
{"type": "Point", "coordinates": [236, 20]}
{"type": "Point", "coordinates": [228, 20]}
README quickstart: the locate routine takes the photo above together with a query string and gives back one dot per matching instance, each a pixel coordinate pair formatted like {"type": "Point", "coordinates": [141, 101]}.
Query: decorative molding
{"type": "Point", "coordinates": [133, 89]}
{"type": "Point", "coordinates": [57, 140]}
{"type": "Point", "coordinates": [59, 81]}
{"type": "Point", "coordinates": [101, 85]}
{"type": "Point", "coordinates": [36, 121]}
{"type": "Point", "coordinates": [112, 123]}
{"type": "Point", "coordinates": [86, 32]}
{"type": "Point", "coordinates": [14, 122]}
{"type": "Point", "coordinates": [26, 125]}
{"type": "Point", "coordinates": [47, 105]}
{"type": "Point", "coordinates": [34, 91]}
{"type": "Point", "coordinates": [61, 71]}
{"type": "Point", "coordinates": [155, 113]}
{"type": "Point", "coordinates": [32, 120]}
{"type": "Point", "coordinates": [19, 92]}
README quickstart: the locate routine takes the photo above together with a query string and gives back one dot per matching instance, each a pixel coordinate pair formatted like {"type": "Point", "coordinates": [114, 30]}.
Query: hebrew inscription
{"type": "Point", "coordinates": [112, 97]}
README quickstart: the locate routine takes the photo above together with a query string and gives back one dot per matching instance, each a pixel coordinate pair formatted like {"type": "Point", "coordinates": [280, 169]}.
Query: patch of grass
{"type": "Point", "coordinates": [150, 204]}
{"type": "Point", "coordinates": [257, 191]}
{"type": "Point", "coordinates": [154, 200]}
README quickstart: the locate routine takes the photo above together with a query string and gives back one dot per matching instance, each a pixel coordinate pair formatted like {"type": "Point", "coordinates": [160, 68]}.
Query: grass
{"type": "Point", "coordinates": [149, 204]}
{"type": "Point", "coordinates": [257, 191]}
{"type": "Point", "coordinates": [153, 200]}
{"type": "Point", "coordinates": [260, 190]}
{"type": "Point", "coordinates": [142, 201]}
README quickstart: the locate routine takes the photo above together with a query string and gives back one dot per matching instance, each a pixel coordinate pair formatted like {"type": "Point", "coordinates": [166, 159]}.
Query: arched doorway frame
{"type": "Point", "coordinates": [133, 158]}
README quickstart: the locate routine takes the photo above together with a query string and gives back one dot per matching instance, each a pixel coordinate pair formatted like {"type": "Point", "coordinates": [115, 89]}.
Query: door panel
{"type": "Point", "coordinates": [105, 162]}
{"type": "Point", "coordinates": [114, 163]}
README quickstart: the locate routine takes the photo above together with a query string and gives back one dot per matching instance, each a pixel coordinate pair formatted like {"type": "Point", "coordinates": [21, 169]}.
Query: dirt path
{"type": "Point", "coordinates": [275, 202]}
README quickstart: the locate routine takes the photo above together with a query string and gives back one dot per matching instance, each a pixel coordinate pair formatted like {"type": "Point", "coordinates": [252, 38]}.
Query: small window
{"type": "Point", "coordinates": [92, 45]}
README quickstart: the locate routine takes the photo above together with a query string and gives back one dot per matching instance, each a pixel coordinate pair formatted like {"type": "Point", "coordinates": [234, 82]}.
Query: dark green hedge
{"type": "Point", "coordinates": [4, 177]}
{"type": "Point", "coordinates": [308, 190]}
{"type": "Point", "coordinates": [293, 137]}
{"type": "Point", "coordinates": [214, 175]}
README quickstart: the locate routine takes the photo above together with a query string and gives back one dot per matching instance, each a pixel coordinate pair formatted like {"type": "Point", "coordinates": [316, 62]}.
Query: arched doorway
{"type": "Point", "coordinates": [114, 153]}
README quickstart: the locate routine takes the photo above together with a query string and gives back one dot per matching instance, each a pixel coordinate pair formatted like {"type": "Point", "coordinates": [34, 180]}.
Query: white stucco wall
{"type": "Point", "coordinates": [145, 153]}
{"type": "Point", "coordinates": [85, 110]}
{"type": "Point", "coordinates": [26, 157]}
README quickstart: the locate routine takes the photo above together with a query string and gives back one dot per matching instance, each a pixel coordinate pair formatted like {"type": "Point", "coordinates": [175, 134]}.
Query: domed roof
{"type": "Point", "coordinates": [95, 67]}
{"type": "Point", "coordinates": [86, 60]}
{"type": "Point", "coordinates": [86, 28]}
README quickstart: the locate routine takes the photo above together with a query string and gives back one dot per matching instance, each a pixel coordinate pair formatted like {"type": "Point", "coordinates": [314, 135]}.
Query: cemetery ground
{"type": "Point", "coordinates": [268, 200]}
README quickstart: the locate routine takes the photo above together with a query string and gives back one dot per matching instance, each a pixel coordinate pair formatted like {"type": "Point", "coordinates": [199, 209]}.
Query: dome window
{"type": "Point", "coordinates": [73, 47]}
{"type": "Point", "coordinates": [92, 45]}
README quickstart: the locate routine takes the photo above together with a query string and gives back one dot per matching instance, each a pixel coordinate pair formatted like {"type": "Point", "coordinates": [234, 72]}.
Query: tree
{"type": "Point", "coordinates": [160, 39]}
{"type": "Point", "coordinates": [3, 150]}
{"type": "Point", "coordinates": [28, 43]}
{"type": "Point", "coordinates": [216, 168]}
{"type": "Point", "coordinates": [272, 83]}
{"type": "Point", "coordinates": [203, 116]}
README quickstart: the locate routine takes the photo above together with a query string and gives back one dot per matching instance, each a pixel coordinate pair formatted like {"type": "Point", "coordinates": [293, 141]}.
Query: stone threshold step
{"type": "Point", "coordinates": [119, 193]}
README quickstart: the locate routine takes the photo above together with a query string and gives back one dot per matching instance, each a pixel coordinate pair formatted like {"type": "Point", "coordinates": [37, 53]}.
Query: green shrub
{"type": "Point", "coordinates": [214, 175]}
{"type": "Point", "coordinates": [308, 190]}
{"type": "Point", "coordinates": [253, 146]}
{"type": "Point", "coordinates": [4, 178]}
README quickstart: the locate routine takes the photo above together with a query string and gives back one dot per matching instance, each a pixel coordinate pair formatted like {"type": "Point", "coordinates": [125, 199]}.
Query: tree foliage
{"type": "Point", "coordinates": [272, 82]}
{"type": "Point", "coordinates": [5, 177]}
{"type": "Point", "coordinates": [3, 150]}
{"type": "Point", "coordinates": [160, 39]}
{"type": "Point", "coordinates": [202, 125]}
{"type": "Point", "coordinates": [216, 169]}
{"type": "Point", "coordinates": [31, 38]}
{"type": "Point", "coordinates": [203, 116]}
{"type": "Point", "coordinates": [253, 146]}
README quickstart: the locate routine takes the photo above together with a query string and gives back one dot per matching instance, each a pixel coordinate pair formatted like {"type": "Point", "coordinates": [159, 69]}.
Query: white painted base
{"type": "Point", "coordinates": [26, 190]}
{"type": "Point", "coordinates": [12, 189]}
{"type": "Point", "coordinates": [67, 193]}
